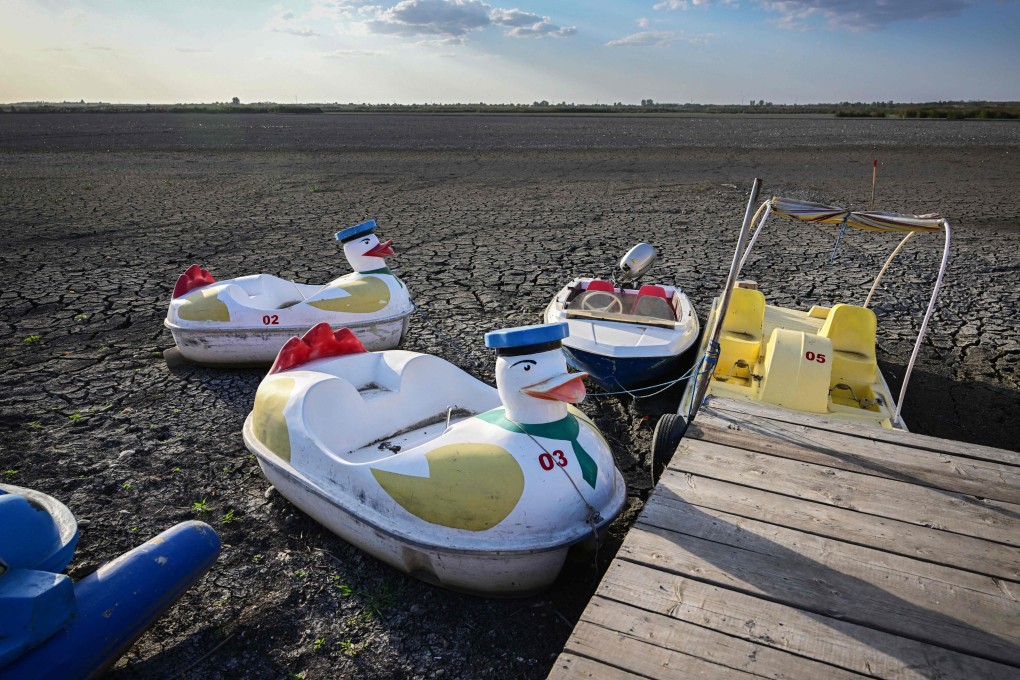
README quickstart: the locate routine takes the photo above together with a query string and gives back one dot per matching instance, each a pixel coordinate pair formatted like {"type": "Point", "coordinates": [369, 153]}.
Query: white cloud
{"type": "Point", "coordinates": [514, 17]}
{"type": "Point", "coordinates": [286, 22]}
{"type": "Point", "coordinates": [343, 54]}
{"type": "Point", "coordinates": [853, 15]}
{"type": "Point", "coordinates": [656, 39]}
{"type": "Point", "coordinates": [432, 17]}
{"type": "Point", "coordinates": [680, 4]}
{"type": "Point", "coordinates": [447, 21]}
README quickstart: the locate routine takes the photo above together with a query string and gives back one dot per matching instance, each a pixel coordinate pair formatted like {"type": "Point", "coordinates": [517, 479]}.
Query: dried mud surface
{"type": "Point", "coordinates": [489, 217]}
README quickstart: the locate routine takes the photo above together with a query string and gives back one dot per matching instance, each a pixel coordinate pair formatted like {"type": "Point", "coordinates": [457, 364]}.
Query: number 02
{"type": "Point", "coordinates": [271, 320]}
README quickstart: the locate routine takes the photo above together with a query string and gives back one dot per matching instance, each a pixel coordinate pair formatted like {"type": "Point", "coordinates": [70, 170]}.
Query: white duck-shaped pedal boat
{"type": "Point", "coordinates": [247, 320]}
{"type": "Point", "coordinates": [432, 471]}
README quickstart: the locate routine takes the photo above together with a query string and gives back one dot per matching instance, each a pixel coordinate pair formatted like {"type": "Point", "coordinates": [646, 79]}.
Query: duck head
{"type": "Point", "coordinates": [531, 373]}
{"type": "Point", "coordinates": [362, 247]}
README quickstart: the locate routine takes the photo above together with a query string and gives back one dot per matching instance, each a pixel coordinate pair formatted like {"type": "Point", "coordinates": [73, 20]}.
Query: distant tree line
{"type": "Point", "coordinates": [889, 109]}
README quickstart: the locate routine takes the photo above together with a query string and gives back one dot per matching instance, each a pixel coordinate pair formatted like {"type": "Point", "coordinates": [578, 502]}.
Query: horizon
{"type": "Point", "coordinates": [450, 52]}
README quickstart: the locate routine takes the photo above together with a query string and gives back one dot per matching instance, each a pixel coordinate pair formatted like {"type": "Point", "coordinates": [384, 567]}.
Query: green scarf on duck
{"type": "Point", "coordinates": [565, 429]}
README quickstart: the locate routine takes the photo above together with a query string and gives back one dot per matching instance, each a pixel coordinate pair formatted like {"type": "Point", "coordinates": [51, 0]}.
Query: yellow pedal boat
{"type": "Point", "coordinates": [819, 360]}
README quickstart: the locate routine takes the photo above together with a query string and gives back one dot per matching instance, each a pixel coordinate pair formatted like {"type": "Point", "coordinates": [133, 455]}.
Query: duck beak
{"type": "Point", "coordinates": [380, 250]}
{"type": "Point", "coordinates": [568, 387]}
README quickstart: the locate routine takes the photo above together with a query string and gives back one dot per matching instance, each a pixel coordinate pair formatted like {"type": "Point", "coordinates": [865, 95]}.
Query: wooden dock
{"type": "Point", "coordinates": [790, 546]}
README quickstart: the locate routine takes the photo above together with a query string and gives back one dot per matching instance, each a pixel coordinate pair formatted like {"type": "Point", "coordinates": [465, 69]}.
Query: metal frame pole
{"type": "Point", "coordinates": [724, 299]}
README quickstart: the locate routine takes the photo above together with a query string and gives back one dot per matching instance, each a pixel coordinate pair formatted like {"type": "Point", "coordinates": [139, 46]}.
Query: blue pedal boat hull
{"type": "Point", "coordinates": [51, 628]}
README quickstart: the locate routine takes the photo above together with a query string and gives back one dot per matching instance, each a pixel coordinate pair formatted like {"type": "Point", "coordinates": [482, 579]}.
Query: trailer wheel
{"type": "Point", "coordinates": [667, 435]}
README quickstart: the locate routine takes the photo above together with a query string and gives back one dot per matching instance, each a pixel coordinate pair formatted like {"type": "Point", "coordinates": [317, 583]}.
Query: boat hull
{"type": "Point", "coordinates": [615, 373]}
{"type": "Point", "coordinates": [489, 573]}
{"type": "Point", "coordinates": [116, 604]}
{"type": "Point", "coordinates": [258, 346]}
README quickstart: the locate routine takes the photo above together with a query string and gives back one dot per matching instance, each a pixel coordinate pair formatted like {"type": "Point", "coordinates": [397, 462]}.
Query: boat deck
{"type": "Point", "coordinates": [790, 546]}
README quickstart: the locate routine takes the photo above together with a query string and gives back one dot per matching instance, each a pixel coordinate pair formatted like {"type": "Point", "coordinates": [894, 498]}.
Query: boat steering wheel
{"type": "Point", "coordinates": [601, 301]}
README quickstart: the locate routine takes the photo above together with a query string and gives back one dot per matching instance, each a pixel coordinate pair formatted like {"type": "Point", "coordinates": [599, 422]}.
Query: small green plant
{"type": "Point", "coordinates": [319, 643]}
{"type": "Point", "coordinates": [126, 486]}
{"type": "Point", "coordinates": [10, 474]}
{"type": "Point", "coordinates": [201, 506]}
{"type": "Point", "coordinates": [349, 649]}
{"type": "Point", "coordinates": [176, 470]}
{"type": "Point", "coordinates": [32, 338]}
{"type": "Point", "coordinates": [81, 317]}
{"type": "Point", "coordinates": [229, 517]}
{"type": "Point", "coordinates": [345, 590]}
{"type": "Point", "coordinates": [313, 190]}
{"type": "Point", "coordinates": [33, 425]}
{"type": "Point", "coordinates": [301, 573]}
{"type": "Point", "coordinates": [76, 418]}
{"type": "Point", "coordinates": [256, 559]}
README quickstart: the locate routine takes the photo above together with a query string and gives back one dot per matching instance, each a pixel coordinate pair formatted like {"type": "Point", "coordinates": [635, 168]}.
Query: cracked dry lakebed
{"type": "Point", "coordinates": [489, 216]}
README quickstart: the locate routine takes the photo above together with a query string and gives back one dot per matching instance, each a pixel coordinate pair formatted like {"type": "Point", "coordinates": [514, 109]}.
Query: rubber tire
{"type": "Point", "coordinates": [667, 435]}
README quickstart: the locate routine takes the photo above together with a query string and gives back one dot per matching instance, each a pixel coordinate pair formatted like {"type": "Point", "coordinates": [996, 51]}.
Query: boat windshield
{"type": "Point", "coordinates": [627, 306]}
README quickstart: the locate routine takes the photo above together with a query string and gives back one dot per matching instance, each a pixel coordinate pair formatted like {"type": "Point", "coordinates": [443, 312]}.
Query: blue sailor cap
{"type": "Point", "coordinates": [527, 339]}
{"type": "Point", "coordinates": [351, 233]}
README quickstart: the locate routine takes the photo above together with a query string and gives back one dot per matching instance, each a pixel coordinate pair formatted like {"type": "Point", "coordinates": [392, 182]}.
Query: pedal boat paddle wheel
{"type": "Point", "coordinates": [248, 319]}
{"type": "Point", "coordinates": [819, 360]}
{"type": "Point", "coordinates": [623, 334]}
{"type": "Point", "coordinates": [414, 461]}
{"type": "Point", "coordinates": [53, 628]}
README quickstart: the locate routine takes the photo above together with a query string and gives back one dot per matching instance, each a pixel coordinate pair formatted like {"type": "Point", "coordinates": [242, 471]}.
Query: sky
{"type": "Point", "coordinates": [509, 51]}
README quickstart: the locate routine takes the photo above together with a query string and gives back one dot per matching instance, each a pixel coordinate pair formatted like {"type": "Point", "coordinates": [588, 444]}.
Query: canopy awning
{"type": "Point", "coordinates": [807, 211]}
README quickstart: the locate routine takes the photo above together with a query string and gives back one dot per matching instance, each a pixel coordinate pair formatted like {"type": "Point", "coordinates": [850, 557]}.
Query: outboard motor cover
{"type": "Point", "coordinates": [636, 262]}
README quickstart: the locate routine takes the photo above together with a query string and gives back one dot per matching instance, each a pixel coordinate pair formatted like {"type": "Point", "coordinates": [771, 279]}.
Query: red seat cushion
{"type": "Point", "coordinates": [599, 284]}
{"type": "Point", "coordinates": [657, 291]}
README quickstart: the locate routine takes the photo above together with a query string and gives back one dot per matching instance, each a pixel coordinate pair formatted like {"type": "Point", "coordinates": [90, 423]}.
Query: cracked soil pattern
{"type": "Point", "coordinates": [489, 217]}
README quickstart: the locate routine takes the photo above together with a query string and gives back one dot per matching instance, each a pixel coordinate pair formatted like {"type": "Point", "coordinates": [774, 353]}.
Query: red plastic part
{"type": "Point", "coordinates": [318, 343]}
{"type": "Point", "coordinates": [380, 250]}
{"type": "Point", "coordinates": [655, 291]}
{"type": "Point", "coordinates": [599, 284]}
{"type": "Point", "coordinates": [194, 277]}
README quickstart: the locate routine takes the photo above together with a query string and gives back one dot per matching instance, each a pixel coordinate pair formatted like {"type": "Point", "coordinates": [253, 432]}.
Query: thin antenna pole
{"type": "Point", "coordinates": [874, 178]}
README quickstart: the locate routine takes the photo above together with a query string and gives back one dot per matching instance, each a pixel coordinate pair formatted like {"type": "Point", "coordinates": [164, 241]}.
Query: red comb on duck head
{"type": "Point", "coordinates": [194, 277]}
{"type": "Point", "coordinates": [319, 342]}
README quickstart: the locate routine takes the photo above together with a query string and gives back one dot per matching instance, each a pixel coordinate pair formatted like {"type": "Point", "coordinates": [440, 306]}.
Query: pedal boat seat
{"type": "Point", "coordinates": [652, 301]}
{"type": "Point", "coordinates": [851, 330]}
{"type": "Point", "coordinates": [741, 335]}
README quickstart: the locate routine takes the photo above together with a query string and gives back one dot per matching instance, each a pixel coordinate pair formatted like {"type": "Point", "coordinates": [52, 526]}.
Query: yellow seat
{"type": "Point", "coordinates": [741, 335]}
{"type": "Point", "coordinates": [851, 330]}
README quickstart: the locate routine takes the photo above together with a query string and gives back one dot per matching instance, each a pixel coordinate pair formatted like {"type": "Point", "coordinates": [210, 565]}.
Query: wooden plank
{"type": "Point", "coordinates": [742, 410]}
{"type": "Point", "coordinates": [832, 584]}
{"type": "Point", "coordinates": [984, 479]}
{"type": "Point", "coordinates": [728, 651]}
{"type": "Point", "coordinates": [946, 510]}
{"type": "Point", "coordinates": [924, 543]}
{"type": "Point", "coordinates": [572, 667]}
{"type": "Point", "coordinates": [617, 650]}
{"type": "Point", "coordinates": [832, 641]}
{"type": "Point", "coordinates": [894, 573]}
